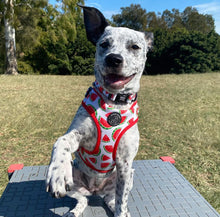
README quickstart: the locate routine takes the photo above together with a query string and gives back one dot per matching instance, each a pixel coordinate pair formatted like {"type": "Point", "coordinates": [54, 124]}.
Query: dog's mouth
{"type": "Point", "coordinates": [117, 81]}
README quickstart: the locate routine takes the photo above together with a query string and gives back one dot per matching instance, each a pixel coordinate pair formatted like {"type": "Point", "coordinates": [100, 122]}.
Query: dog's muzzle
{"type": "Point", "coordinates": [114, 78]}
{"type": "Point", "coordinates": [114, 60]}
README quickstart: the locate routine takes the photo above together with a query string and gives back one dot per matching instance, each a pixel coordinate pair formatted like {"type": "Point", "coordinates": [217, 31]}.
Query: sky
{"type": "Point", "coordinates": [110, 7]}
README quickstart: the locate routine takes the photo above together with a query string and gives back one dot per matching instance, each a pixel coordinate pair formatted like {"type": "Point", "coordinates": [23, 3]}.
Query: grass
{"type": "Point", "coordinates": [179, 117]}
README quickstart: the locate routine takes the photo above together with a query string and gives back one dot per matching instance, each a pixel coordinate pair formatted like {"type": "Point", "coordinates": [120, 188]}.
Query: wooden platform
{"type": "Point", "coordinates": [159, 191]}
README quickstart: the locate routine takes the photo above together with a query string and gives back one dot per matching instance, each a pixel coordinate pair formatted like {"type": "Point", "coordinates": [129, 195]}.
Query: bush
{"type": "Point", "coordinates": [181, 52]}
{"type": "Point", "coordinates": [83, 66]}
{"type": "Point", "coordinates": [25, 68]}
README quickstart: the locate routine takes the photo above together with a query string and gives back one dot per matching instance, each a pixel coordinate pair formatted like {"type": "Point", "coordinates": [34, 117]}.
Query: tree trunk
{"type": "Point", "coordinates": [10, 46]}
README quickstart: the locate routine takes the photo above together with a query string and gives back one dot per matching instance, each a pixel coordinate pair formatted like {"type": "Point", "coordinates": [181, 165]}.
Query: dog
{"type": "Point", "coordinates": [104, 134]}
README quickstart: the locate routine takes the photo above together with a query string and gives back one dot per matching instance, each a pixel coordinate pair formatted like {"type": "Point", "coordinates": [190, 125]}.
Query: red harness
{"type": "Point", "coordinates": [111, 124]}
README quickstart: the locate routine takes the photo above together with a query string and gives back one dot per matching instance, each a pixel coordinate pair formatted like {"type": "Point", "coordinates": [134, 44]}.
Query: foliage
{"type": "Point", "coordinates": [44, 35]}
{"type": "Point", "coordinates": [63, 54]}
{"type": "Point", "coordinates": [82, 52]}
{"type": "Point", "coordinates": [183, 42]}
{"type": "Point", "coordinates": [25, 68]}
{"type": "Point", "coordinates": [58, 32]}
{"type": "Point", "coordinates": [182, 51]}
{"type": "Point", "coordinates": [133, 17]}
{"type": "Point", "coordinates": [24, 20]}
{"type": "Point", "coordinates": [52, 40]}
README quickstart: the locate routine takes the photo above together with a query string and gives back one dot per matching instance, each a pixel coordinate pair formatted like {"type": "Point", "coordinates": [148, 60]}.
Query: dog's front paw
{"type": "Point", "coordinates": [59, 178]}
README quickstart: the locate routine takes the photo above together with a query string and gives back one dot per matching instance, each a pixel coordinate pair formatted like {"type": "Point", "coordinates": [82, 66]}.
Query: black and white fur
{"type": "Point", "coordinates": [119, 64]}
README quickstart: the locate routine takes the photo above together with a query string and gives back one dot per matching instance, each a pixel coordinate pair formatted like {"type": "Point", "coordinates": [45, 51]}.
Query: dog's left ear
{"type": "Point", "coordinates": [95, 23]}
{"type": "Point", "coordinates": [149, 36]}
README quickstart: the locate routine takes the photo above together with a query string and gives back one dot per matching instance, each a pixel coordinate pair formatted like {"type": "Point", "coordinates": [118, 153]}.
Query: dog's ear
{"type": "Point", "coordinates": [95, 23]}
{"type": "Point", "coordinates": [149, 36]}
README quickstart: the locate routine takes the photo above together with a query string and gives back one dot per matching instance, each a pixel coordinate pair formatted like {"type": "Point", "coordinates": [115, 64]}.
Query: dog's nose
{"type": "Point", "coordinates": [114, 60]}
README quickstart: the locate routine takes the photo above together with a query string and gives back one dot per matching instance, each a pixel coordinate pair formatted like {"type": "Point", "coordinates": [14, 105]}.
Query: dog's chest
{"type": "Point", "coordinates": [111, 124]}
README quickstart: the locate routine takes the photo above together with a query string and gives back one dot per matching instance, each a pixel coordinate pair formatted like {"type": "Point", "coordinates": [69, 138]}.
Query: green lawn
{"type": "Point", "coordinates": [179, 117]}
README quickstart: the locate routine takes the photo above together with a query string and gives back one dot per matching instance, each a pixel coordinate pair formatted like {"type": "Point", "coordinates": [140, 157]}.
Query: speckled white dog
{"type": "Point", "coordinates": [103, 135]}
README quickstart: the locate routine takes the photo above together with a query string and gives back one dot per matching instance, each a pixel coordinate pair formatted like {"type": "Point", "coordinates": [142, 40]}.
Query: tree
{"type": "Point", "coordinates": [58, 30]}
{"type": "Point", "coordinates": [133, 17]}
{"type": "Point", "coordinates": [184, 42]}
{"type": "Point", "coordinates": [172, 19]}
{"type": "Point", "coordinates": [26, 23]}
{"type": "Point", "coordinates": [2, 44]}
{"type": "Point", "coordinates": [52, 40]}
{"type": "Point", "coordinates": [20, 16]}
{"type": "Point", "coordinates": [155, 22]}
{"type": "Point", "coordinates": [194, 21]}
{"type": "Point", "coordinates": [190, 19]}
{"type": "Point", "coordinates": [182, 51]}
{"type": "Point", "coordinates": [137, 18]}
{"type": "Point", "coordinates": [10, 45]}
{"type": "Point", "coordinates": [82, 52]}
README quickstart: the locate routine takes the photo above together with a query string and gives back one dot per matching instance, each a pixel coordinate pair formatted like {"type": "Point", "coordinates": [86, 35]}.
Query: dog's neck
{"type": "Point", "coordinates": [116, 98]}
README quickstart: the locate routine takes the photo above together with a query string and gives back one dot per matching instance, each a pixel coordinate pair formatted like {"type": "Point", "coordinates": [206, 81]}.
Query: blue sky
{"type": "Point", "coordinates": [110, 7]}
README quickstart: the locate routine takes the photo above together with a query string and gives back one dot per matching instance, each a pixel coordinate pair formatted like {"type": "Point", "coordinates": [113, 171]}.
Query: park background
{"type": "Point", "coordinates": [179, 97]}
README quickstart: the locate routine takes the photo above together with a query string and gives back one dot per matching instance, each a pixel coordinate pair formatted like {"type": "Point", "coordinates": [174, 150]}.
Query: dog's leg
{"type": "Point", "coordinates": [59, 177]}
{"type": "Point", "coordinates": [80, 206]}
{"type": "Point", "coordinates": [109, 191]}
{"type": "Point", "coordinates": [109, 200]}
{"type": "Point", "coordinates": [78, 192]}
{"type": "Point", "coordinates": [123, 187]}
{"type": "Point", "coordinates": [125, 154]}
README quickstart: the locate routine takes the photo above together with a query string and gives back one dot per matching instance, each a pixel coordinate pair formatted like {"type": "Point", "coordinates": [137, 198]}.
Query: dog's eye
{"type": "Point", "coordinates": [135, 47]}
{"type": "Point", "coordinates": [104, 44]}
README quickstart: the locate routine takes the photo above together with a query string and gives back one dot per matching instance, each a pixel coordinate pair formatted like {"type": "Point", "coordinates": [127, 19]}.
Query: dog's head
{"type": "Point", "coordinates": [120, 53]}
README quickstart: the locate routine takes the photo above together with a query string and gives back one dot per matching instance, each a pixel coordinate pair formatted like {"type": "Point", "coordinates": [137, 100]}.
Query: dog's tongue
{"type": "Point", "coordinates": [117, 81]}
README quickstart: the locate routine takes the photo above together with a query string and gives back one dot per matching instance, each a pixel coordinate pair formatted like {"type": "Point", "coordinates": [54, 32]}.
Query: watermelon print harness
{"type": "Point", "coordinates": [111, 124]}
